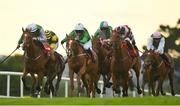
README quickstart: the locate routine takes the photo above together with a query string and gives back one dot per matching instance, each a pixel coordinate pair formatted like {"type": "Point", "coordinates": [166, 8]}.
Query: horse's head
{"type": "Point", "coordinates": [27, 37]}
{"type": "Point", "coordinates": [115, 40]}
{"type": "Point", "coordinates": [73, 46]}
{"type": "Point", "coordinates": [149, 58]}
{"type": "Point", "coordinates": [96, 44]}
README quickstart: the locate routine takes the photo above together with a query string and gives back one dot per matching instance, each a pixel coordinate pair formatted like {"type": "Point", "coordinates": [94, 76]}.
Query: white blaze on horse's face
{"type": "Point", "coordinates": [70, 42]}
{"type": "Point", "coordinates": [25, 35]}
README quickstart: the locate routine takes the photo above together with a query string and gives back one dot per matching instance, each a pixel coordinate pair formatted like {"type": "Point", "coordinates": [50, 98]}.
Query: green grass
{"type": "Point", "coordinates": [167, 100]}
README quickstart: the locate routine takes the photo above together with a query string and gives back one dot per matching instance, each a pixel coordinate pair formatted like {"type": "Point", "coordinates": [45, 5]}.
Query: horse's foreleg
{"type": "Point", "coordinates": [104, 84]}
{"type": "Point", "coordinates": [137, 71]}
{"type": "Point", "coordinates": [143, 85]}
{"type": "Point", "coordinates": [171, 76]}
{"type": "Point", "coordinates": [24, 79]}
{"type": "Point", "coordinates": [160, 84]}
{"type": "Point", "coordinates": [61, 69]}
{"type": "Point", "coordinates": [33, 83]}
{"type": "Point", "coordinates": [79, 85]}
{"type": "Point", "coordinates": [71, 76]}
{"type": "Point", "coordinates": [40, 79]}
{"type": "Point", "coordinates": [108, 80]}
{"type": "Point", "coordinates": [125, 87]}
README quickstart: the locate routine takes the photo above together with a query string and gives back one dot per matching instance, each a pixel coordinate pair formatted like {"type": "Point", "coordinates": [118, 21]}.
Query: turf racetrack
{"type": "Point", "coordinates": [165, 100]}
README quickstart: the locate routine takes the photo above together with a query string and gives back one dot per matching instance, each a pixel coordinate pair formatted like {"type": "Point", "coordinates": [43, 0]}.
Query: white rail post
{"type": "Point", "coordinates": [8, 85]}
{"type": "Point", "coordinates": [101, 86]}
{"type": "Point", "coordinates": [66, 88]}
{"type": "Point", "coordinates": [21, 87]}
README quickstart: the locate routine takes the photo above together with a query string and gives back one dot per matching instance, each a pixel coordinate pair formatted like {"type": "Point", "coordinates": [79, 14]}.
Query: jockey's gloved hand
{"type": "Point", "coordinates": [18, 46]}
{"type": "Point", "coordinates": [34, 38]}
{"type": "Point", "coordinates": [157, 51]}
{"type": "Point", "coordinates": [62, 42]}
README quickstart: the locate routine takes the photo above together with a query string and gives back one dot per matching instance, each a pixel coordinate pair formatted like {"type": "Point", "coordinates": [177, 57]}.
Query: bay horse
{"type": "Point", "coordinates": [103, 62]}
{"type": "Point", "coordinates": [37, 62]}
{"type": "Point", "coordinates": [78, 62]}
{"type": "Point", "coordinates": [157, 70]}
{"type": "Point", "coordinates": [121, 63]}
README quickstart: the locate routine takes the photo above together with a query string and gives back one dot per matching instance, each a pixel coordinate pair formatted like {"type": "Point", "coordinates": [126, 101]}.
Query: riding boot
{"type": "Point", "coordinates": [132, 50]}
{"type": "Point", "coordinates": [91, 55]}
{"type": "Point", "coordinates": [52, 56]}
{"type": "Point", "coordinates": [165, 58]}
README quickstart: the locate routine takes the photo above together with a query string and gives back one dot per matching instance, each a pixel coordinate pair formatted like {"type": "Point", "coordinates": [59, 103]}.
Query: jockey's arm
{"type": "Point", "coordinates": [96, 34]}
{"type": "Point", "coordinates": [161, 46]}
{"type": "Point", "coordinates": [150, 44]}
{"type": "Point", "coordinates": [42, 36]}
{"type": "Point", "coordinates": [86, 37]}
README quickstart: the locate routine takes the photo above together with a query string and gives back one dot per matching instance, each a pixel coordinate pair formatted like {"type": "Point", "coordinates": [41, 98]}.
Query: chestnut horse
{"type": "Point", "coordinates": [157, 70]}
{"type": "Point", "coordinates": [121, 63]}
{"type": "Point", "coordinates": [37, 62]}
{"type": "Point", "coordinates": [104, 61]}
{"type": "Point", "coordinates": [79, 63]}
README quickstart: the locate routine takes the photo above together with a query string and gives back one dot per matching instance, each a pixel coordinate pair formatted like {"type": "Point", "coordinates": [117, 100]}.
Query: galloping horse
{"type": "Point", "coordinates": [104, 62]}
{"type": "Point", "coordinates": [121, 63]}
{"type": "Point", "coordinates": [37, 62]}
{"type": "Point", "coordinates": [78, 62]}
{"type": "Point", "coordinates": [157, 70]}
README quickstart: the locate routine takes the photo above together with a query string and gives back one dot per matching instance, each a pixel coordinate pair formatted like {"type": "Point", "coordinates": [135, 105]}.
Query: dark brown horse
{"type": "Point", "coordinates": [121, 63]}
{"type": "Point", "coordinates": [104, 61]}
{"type": "Point", "coordinates": [79, 63]}
{"type": "Point", "coordinates": [157, 70]}
{"type": "Point", "coordinates": [37, 62]}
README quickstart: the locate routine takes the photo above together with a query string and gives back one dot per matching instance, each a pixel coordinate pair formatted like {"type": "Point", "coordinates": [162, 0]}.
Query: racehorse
{"type": "Point", "coordinates": [37, 62]}
{"type": "Point", "coordinates": [121, 63]}
{"type": "Point", "coordinates": [157, 70]}
{"type": "Point", "coordinates": [78, 62]}
{"type": "Point", "coordinates": [104, 61]}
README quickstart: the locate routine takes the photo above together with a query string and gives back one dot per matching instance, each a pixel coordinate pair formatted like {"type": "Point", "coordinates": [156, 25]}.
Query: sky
{"type": "Point", "coordinates": [60, 16]}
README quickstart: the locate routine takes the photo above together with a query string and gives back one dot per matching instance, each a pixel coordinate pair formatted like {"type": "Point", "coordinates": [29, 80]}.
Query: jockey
{"type": "Point", "coordinates": [157, 42]}
{"type": "Point", "coordinates": [39, 33]}
{"type": "Point", "coordinates": [103, 31]}
{"type": "Point", "coordinates": [125, 32]}
{"type": "Point", "coordinates": [82, 35]}
{"type": "Point", "coordinates": [52, 39]}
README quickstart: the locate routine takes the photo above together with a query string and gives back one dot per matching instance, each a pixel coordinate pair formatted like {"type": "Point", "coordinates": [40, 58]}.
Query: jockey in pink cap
{"type": "Point", "coordinates": [157, 42]}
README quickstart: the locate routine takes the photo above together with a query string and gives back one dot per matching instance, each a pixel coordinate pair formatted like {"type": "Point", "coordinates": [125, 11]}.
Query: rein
{"type": "Point", "coordinates": [33, 59]}
{"type": "Point", "coordinates": [82, 54]}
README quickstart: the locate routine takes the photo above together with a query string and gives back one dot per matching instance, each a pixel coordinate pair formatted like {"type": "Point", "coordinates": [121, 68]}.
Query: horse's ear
{"type": "Point", "coordinates": [23, 29]}
{"type": "Point", "coordinates": [67, 35]}
{"type": "Point", "coordinates": [92, 37]}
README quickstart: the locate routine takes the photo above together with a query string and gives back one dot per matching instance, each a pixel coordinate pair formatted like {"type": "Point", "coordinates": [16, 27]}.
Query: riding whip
{"type": "Point", "coordinates": [8, 56]}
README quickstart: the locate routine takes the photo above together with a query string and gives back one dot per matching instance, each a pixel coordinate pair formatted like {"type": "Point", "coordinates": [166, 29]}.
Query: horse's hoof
{"type": "Point", "coordinates": [108, 85]}
{"type": "Point", "coordinates": [118, 91]}
{"type": "Point", "coordinates": [98, 91]}
{"type": "Point", "coordinates": [139, 91]}
{"type": "Point", "coordinates": [164, 94]}
{"type": "Point", "coordinates": [104, 92]}
{"type": "Point", "coordinates": [173, 94]}
{"type": "Point", "coordinates": [125, 95]}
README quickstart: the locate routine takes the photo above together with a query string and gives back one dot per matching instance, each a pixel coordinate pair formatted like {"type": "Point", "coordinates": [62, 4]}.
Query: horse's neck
{"type": "Point", "coordinates": [32, 50]}
{"type": "Point", "coordinates": [157, 58]}
{"type": "Point", "coordinates": [100, 52]}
